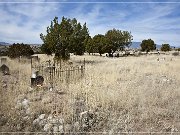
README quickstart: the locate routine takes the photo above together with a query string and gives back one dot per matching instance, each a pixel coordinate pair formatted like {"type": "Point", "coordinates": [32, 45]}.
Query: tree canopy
{"type": "Point", "coordinates": [99, 41]}
{"type": "Point", "coordinates": [118, 40]}
{"type": "Point", "coordinates": [148, 45]}
{"type": "Point", "coordinates": [65, 37]}
{"type": "Point", "coordinates": [69, 36]}
{"type": "Point", "coordinates": [17, 50]}
{"type": "Point", "coordinates": [165, 47]}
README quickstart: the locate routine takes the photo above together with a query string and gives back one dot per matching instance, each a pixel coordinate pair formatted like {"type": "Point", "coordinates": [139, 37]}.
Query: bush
{"type": "Point", "coordinates": [175, 53]}
{"type": "Point", "coordinates": [165, 47]}
{"type": "Point", "coordinates": [17, 50]}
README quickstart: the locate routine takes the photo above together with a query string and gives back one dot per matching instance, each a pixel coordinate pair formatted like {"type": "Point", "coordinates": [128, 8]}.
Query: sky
{"type": "Point", "coordinates": [22, 21]}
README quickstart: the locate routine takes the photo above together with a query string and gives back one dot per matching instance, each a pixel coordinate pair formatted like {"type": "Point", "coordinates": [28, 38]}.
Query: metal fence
{"type": "Point", "coordinates": [64, 72]}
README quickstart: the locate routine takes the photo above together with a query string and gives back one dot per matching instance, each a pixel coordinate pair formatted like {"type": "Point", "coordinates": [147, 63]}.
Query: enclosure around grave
{"type": "Point", "coordinates": [126, 94]}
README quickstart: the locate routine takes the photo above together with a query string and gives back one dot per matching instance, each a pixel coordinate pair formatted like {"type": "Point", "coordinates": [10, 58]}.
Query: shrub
{"type": "Point", "coordinates": [175, 53]}
{"type": "Point", "coordinates": [165, 47]}
{"type": "Point", "coordinates": [17, 50]}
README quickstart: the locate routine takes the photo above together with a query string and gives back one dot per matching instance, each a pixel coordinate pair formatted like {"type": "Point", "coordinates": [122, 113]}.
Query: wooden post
{"type": "Point", "coordinates": [84, 66]}
{"type": "Point", "coordinates": [31, 65]}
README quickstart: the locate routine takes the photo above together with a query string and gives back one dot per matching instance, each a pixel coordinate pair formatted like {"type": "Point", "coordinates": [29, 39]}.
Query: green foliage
{"type": "Point", "coordinates": [165, 47]}
{"type": "Point", "coordinates": [63, 38]}
{"type": "Point", "coordinates": [99, 41]}
{"type": "Point", "coordinates": [148, 45]}
{"type": "Point", "coordinates": [78, 37]}
{"type": "Point", "coordinates": [117, 39]}
{"type": "Point", "coordinates": [17, 50]}
{"type": "Point", "coordinates": [89, 46]}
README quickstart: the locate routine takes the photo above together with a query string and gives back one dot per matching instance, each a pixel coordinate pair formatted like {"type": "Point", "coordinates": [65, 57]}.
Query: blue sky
{"type": "Point", "coordinates": [24, 20]}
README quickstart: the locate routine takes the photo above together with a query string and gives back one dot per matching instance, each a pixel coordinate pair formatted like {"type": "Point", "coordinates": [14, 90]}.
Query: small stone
{"type": "Point", "coordinates": [54, 121]}
{"type": "Point", "coordinates": [28, 111]}
{"type": "Point", "coordinates": [4, 85]}
{"type": "Point", "coordinates": [50, 117]}
{"type": "Point", "coordinates": [61, 130]}
{"type": "Point", "coordinates": [76, 126]}
{"type": "Point", "coordinates": [25, 103]}
{"type": "Point", "coordinates": [36, 121]}
{"type": "Point", "coordinates": [42, 116]}
{"type": "Point", "coordinates": [26, 118]}
{"type": "Point", "coordinates": [18, 127]}
{"type": "Point", "coordinates": [47, 127]}
{"type": "Point", "coordinates": [55, 129]}
{"type": "Point", "coordinates": [42, 122]}
{"type": "Point", "coordinates": [60, 120]}
{"type": "Point", "coordinates": [67, 127]}
{"type": "Point", "coordinates": [30, 89]}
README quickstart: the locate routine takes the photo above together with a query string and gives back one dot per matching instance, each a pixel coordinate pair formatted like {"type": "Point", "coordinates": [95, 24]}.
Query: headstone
{"type": "Point", "coordinates": [39, 80]}
{"type": "Point", "coordinates": [4, 69]}
{"type": "Point", "coordinates": [33, 78]}
{"type": "Point", "coordinates": [3, 60]}
{"type": "Point", "coordinates": [35, 58]}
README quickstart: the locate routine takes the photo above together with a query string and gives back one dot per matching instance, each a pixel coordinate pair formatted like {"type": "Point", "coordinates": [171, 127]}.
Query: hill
{"type": "Point", "coordinates": [137, 45]}
{"type": "Point", "coordinates": [4, 43]}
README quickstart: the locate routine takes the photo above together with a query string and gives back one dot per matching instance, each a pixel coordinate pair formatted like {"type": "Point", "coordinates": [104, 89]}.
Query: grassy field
{"type": "Point", "coordinates": [126, 94]}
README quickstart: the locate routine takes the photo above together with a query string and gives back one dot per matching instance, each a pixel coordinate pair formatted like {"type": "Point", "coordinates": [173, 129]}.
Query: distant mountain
{"type": "Point", "coordinates": [137, 45]}
{"type": "Point", "coordinates": [4, 43]}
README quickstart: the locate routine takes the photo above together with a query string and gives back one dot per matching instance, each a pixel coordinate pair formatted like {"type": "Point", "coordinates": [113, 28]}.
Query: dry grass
{"type": "Point", "coordinates": [130, 94]}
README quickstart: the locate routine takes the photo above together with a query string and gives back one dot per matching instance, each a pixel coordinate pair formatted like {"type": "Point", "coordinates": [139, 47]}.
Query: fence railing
{"type": "Point", "coordinates": [67, 72]}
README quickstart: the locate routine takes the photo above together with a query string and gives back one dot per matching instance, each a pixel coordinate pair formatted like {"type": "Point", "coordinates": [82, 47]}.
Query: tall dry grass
{"type": "Point", "coordinates": [130, 94]}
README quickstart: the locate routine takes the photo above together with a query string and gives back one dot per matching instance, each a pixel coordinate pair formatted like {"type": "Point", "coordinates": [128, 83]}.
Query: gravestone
{"type": "Point", "coordinates": [3, 60]}
{"type": "Point", "coordinates": [39, 80]}
{"type": "Point", "coordinates": [33, 78]}
{"type": "Point", "coordinates": [4, 69]}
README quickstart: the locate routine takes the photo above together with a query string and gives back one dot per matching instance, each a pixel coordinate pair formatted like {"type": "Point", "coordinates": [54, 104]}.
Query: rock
{"type": "Point", "coordinates": [42, 116]}
{"type": "Point", "coordinates": [55, 129]}
{"type": "Point", "coordinates": [3, 120]}
{"type": "Point", "coordinates": [42, 122]}
{"type": "Point", "coordinates": [28, 111]}
{"type": "Point", "coordinates": [19, 105]}
{"type": "Point", "coordinates": [25, 118]}
{"type": "Point", "coordinates": [67, 127]}
{"type": "Point", "coordinates": [19, 127]}
{"type": "Point", "coordinates": [50, 117]}
{"type": "Point", "coordinates": [61, 130]}
{"type": "Point", "coordinates": [36, 121]}
{"type": "Point", "coordinates": [76, 126]}
{"type": "Point", "coordinates": [4, 85]}
{"type": "Point", "coordinates": [60, 120]}
{"type": "Point", "coordinates": [30, 89]}
{"type": "Point", "coordinates": [54, 121]}
{"type": "Point", "coordinates": [25, 103]}
{"type": "Point", "coordinates": [47, 127]}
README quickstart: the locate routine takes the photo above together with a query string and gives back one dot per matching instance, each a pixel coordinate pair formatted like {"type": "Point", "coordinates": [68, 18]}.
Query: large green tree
{"type": "Point", "coordinates": [65, 37]}
{"type": "Point", "coordinates": [89, 46]}
{"type": "Point", "coordinates": [148, 45]}
{"type": "Point", "coordinates": [117, 39]}
{"type": "Point", "coordinates": [165, 47]}
{"type": "Point", "coordinates": [78, 37]}
{"type": "Point", "coordinates": [99, 41]}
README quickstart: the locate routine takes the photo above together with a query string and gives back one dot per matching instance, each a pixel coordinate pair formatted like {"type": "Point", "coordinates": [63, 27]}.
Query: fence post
{"type": "Point", "coordinates": [84, 66]}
